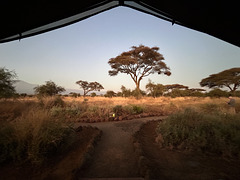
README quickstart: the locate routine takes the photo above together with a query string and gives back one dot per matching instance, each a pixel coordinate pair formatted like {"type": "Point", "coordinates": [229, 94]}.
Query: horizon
{"type": "Point", "coordinates": [81, 51]}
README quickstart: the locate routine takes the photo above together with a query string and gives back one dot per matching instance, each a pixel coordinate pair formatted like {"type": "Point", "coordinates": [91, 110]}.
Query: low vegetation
{"type": "Point", "coordinates": [214, 132]}
{"type": "Point", "coordinates": [32, 129]}
{"type": "Point", "coordinates": [32, 135]}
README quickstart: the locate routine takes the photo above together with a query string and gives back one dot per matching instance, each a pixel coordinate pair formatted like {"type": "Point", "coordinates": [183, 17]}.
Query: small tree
{"type": "Point", "coordinates": [155, 90]}
{"type": "Point", "coordinates": [49, 89]}
{"type": "Point", "coordinates": [110, 94]}
{"type": "Point", "coordinates": [6, 83]}
{"type": "Point", "coordinates": [89, 86]}
{"type": "Point", "coordinates": [125, 92]}
{"type": "Point", "coordinates": [139, 62]}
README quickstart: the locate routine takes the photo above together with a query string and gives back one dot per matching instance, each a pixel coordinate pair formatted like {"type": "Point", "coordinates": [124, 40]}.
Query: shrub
{"type": "Point", "coordinates": [218, 93]}
{"type": "Point", "coordinates": [205, 132]}
{"type": "Point", "coordinates": [133, 109]}
{"type": "Point", "coordinates": [118, 110]}
{"type": "Point", "coordinates": [137, 109]}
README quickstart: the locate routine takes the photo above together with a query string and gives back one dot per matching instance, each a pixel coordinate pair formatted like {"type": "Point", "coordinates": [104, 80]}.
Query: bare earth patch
{"type": "Point", "coordinates": [115, 155]}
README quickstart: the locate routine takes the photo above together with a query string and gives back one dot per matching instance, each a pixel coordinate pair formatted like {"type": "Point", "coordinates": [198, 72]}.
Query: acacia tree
{"type": "Point", "coordinates": [48, 89]}
{"type": "Point", "coordinates": [229, 78]}
{"type": "Point", "coordinates": [6, 83]}
{"type": "Point", "coordinates": [175, 86]}
{"type": "Point", "coordinates": [89, 86]}
{"type": "Point", "coordinates": [139, 62]}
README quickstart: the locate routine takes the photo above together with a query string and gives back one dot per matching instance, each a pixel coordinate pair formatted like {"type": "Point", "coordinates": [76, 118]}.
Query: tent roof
{"type": "Point", "coordinates": [22, 19]}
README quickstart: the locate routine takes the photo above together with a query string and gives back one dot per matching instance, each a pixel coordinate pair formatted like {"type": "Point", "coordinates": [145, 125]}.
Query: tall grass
{"type": "Point", "coordinates": [209, 133]}
{"type": "Point", "coordinates": [33, 137]}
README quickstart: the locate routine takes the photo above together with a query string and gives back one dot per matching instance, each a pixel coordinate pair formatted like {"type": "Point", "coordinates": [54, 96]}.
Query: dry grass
{"type": "Point", "coordinates": [32, 128]}
{"type": "Point", "coordinates": [178, 103]}
{"type": "Point", "coordinates": [28, 133]}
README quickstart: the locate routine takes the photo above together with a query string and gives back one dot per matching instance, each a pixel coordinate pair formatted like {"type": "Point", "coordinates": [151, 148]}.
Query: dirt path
{"type": "Point", "coordinates": [114, 155]}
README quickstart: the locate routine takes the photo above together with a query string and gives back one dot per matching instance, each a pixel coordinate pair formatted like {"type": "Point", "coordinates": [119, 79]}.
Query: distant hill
{"type": "Point", "coordinates": [24, 87]}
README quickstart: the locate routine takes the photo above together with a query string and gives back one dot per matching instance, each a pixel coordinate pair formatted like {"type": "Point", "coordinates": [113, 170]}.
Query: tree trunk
{"type": "Point", "coordinates": [84, 93]}
{"type": "Point", "coordinates": [138, 91]}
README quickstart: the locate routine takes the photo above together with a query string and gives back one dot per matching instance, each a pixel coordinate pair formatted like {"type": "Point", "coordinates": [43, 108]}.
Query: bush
{"type": "Point", "coordinates": [118, 110]}
{"type": "Point", "coordinates": [217, 134]}
{"type": "Point", "coordinates": [218, 93]}
{"type": "Point", "coordinates": [137, 109]}
{"type": "Point", "coordinates": [133, 109]}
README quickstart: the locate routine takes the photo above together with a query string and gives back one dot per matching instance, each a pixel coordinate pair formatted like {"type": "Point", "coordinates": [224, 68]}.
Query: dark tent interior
{"type": "Point", "coordinates": [23, 19]}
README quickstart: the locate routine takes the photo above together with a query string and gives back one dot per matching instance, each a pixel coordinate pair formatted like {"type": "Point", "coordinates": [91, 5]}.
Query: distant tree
{"type": "Point", "coordinates": [110, 94]}
{"type": "Point", "coordinates": [229, 78]}
{"type": "Point", "coordinates": [179, 93]}
{"type": "Point", "coordinates": [73, 94]}
{"type": "Point", "coordinates": [197, 92]}
{"type": "Point", "coordinates": [217, 93]}
{"type": "Point", "coordinates": [177, 90]}
{"type": "Point", "coordinates": [136, 93]}
{"type": "Point", "coordinates": [125, 92]}
{"type": "Point", "coordinates": [6, 83]}
{"type": "Point", "coordinates": [139, 62]}
{"type": "Point", "coordinates": [155, 90]}
{"type": "Point", "coordinates": [93, 94]}
{"type": "Point", "coordinates": [49, 89]}
{"type": "Point", "coordinates": [119, 94]}
{"type": "Point", "coordinates": [89, 86]}
{"type": "Point", "coordinates": [175, 86]}
{"type": "Point", "coordinates": [197, 89]}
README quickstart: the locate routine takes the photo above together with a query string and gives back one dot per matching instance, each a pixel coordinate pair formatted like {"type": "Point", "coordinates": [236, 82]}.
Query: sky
{"type": "Point", "coordinates": [82, 50]}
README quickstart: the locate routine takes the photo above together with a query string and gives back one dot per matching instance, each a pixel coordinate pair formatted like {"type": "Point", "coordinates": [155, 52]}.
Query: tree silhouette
{"type": "Point", "coordinates": [6, 83]}
{"type": "Point", "coordinates": [49, 89]}
{"type": "Point", "coordinates": [110, 94]}
{"type": "Point", "coordinates": [139, 62]}
{"type": "Point", "coordinates": [229, 78]}
{"type": "Point", "coordinates": [89, 86]}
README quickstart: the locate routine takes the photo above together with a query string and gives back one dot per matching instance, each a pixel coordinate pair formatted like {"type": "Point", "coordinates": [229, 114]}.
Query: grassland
{"type": "Point", "coordinates": [31, 129]}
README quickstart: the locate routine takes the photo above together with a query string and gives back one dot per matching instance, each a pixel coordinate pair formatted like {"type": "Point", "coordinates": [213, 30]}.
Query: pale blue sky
{"type": "Point", "coordinates": [81, 51]}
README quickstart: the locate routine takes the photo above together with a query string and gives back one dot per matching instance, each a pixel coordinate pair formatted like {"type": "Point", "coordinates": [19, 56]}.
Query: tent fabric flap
{"type": "Point", "coordinates": [23, 19]}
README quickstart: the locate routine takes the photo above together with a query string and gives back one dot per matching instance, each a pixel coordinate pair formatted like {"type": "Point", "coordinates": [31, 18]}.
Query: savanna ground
{"type": "Point", "coordinates": [54, 138]}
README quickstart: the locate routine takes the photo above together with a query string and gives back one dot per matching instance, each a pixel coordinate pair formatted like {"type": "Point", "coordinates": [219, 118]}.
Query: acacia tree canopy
{"type": "Point", "coordinates": [229, 78]}
{"type": "Point", "coordinates": [89, 86]}
{"type": "Point", "coordinates": [139, 62]}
